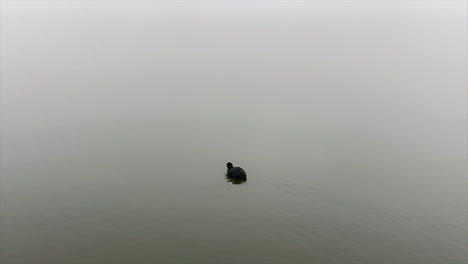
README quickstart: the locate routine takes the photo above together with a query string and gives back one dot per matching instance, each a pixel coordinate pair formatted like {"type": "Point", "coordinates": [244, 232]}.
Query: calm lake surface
{"type": "Point", "coordinates": [118, 118]}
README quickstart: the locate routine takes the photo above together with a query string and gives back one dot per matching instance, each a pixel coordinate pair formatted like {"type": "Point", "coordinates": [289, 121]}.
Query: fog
{"type": "Point", "coordinates": [142, 103]}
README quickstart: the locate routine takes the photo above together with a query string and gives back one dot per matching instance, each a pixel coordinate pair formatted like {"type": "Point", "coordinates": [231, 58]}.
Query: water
{"type": "Point", "coordinates": [113, 150]}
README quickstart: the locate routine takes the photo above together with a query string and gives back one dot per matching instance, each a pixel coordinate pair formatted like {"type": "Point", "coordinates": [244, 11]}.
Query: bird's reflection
{"type": "Point", "coordinates": [234, 181]}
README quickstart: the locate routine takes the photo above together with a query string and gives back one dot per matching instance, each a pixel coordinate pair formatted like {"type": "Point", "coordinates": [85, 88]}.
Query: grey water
{"type": "Point", "coordinates": [118, 119]}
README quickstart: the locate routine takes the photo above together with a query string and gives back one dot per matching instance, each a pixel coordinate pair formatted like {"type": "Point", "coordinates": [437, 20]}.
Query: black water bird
{"type": "Point", "coordinates": [235, 172]}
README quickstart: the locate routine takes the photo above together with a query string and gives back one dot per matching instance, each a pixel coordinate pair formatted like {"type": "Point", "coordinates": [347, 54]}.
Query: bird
{"type": "Point", "coordinates": [235, 172]}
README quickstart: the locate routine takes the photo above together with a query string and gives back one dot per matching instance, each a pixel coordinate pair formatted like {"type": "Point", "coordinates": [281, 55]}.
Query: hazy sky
{"type": "Point", "coordinates": [355, 62]}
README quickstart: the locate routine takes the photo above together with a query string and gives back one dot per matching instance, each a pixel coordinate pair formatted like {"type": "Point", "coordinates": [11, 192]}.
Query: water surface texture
{"type": "Point", "coordinates": [118, 118]}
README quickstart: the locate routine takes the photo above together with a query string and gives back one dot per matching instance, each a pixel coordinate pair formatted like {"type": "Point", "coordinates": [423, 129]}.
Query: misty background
{"type": "Point", "coordinates": [118, 117]}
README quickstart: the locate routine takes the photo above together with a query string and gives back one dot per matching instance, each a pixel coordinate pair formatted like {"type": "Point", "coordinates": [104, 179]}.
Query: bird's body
{"type": "Point", "coordinates": [235, 172]}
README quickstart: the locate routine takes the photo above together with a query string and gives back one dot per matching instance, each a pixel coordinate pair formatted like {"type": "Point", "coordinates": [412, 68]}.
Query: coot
{"type": "Point", "coordinates": [235, 172]}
